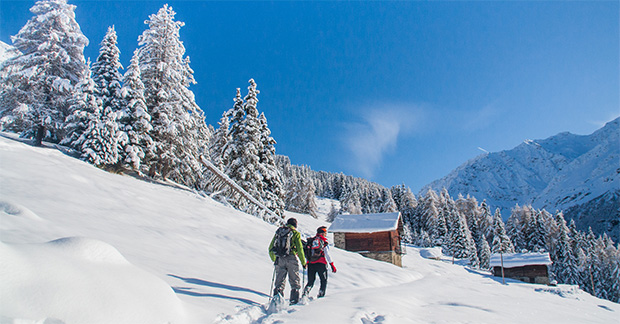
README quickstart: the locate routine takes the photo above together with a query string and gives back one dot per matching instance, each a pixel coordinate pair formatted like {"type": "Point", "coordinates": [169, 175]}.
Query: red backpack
{"type": "Point", "coordinates": [313, 249]}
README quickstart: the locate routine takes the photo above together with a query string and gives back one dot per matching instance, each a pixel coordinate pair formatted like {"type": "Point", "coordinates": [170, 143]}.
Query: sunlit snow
{"type": "Point", "coordinates": [80, 245]}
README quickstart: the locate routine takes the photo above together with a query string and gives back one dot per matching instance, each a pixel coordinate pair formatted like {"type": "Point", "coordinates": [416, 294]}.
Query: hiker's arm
{"type": "Point", "coordinates": [271, 254]}
{"type": "Point", "coordinates": [299, 249]}
{"type": "Point", "coordinates": [328, 257]}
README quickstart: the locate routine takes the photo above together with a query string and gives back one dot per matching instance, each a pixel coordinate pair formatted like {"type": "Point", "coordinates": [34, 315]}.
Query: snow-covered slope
{"type": "Point", "coordinates": [80, 245]}
{"type": "Point", "coordinates": [556, 173]}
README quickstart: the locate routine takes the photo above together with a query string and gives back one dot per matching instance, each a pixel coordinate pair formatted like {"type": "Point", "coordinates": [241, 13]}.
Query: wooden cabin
{"type": "Point", "coordinates": [527, 267]}
{"type": "Point", "coordinates": [376, 236]}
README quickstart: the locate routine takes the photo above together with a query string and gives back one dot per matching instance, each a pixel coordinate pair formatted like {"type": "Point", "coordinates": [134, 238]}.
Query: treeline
{"type": "Point", "coordinates": [467, 229]}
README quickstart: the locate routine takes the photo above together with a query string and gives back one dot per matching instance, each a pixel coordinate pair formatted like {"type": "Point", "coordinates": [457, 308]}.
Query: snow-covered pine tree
{"type": "Point", "coordinates": [501, 241]}
{"type": "Point", "coordinates": [273, 187]}
{"type": "Point", "coordinates": [219, 142]}
{"type": "Point", "coordinates": [389, 205]}
{"type": "Point", "coordinates": [407, 204]}
{"type": "Point", "coordinates": [86, 109]}
{"type": "Point", "coordinates": [107, 77]}
{"type": "Point", "coordinates": [560, 266]}
{"type": "Point", "coordinates": [140, 147]}
{"type": "Point", "coordinates": [484, 253]}
{"type": "Point", "coordinates": [37, 86]}
{"type": "Point", "coordinates": [486, 220]}
{"type": "Point", "coordinates": [179, 131]}
{"type": "Point", "coordinates": [91, 132]}
{"type": "Point", "coordinates": [460, 243]}
{"type": "Point", "coordinates": [333, 212]}
{"type": "Point", "coordinates": [536, 241]}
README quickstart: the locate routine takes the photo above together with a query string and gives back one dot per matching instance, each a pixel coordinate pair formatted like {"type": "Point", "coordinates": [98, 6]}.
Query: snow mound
{"type": "Point", "coordinates": [89, 250]}
{"type": "Point", "coordinates": [42, 283]}
{"type": "Point", "coordinates": [431, 253]}
{"type": "Point", "coordinates": [16, 210]}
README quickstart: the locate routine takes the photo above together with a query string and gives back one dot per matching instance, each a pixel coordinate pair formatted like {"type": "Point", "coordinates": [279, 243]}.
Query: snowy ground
{"type": "Point", "coordinates": [80, 245]}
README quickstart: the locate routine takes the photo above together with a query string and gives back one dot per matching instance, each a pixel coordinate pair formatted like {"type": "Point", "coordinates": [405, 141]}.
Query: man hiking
{"type": "Point", "coordinates": [318, 259]}
{"type": "Point", "coordinates": [284, 250]}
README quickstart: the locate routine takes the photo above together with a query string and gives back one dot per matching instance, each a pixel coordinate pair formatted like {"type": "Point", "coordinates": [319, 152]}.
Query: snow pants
{"type": "Point", "coordinates": [287, 265]}
{"type": "Point", "coordinates": [313, 270]}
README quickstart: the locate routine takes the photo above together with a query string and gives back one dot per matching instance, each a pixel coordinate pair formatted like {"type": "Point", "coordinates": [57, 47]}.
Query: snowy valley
{"type": "Point", "coordinates": [81, 245]}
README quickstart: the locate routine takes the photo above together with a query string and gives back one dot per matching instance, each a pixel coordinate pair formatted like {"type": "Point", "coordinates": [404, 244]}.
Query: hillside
{"type": "Point", "coordinates": [158, 252]}
{"type": "Point", "coordinates": [568, 172]}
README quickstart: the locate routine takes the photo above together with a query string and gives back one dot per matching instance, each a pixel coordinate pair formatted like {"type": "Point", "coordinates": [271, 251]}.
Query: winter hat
{"type": "Point", "coordinates": [321, 229]}
{"type": "Point", "coordinates": [292, 221]}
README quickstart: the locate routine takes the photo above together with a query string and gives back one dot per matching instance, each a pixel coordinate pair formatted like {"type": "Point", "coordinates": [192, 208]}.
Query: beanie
{"type": "Point", "coordinates": [292, 221]}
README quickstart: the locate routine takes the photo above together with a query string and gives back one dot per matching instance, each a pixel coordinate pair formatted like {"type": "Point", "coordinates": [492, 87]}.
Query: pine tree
{"type": "Point", "coordinates": [107, 77]}
{"type": "Point", "coordinates": [106, 74]}
{"type": "Point", "coordinates": [273, 188]}
{"type": "Point", "coordinates": [221, 139]}
{"type": "Point", "coordinates": [37, 86]}
{"type": "Point", "coordinates": [140, 147]}
{"type": "Point", "coordinates": [86, 109]}
{"type": "Point", "coordinates": [244, 166]}
{"type": "Point", "coordinates": [333, 212]}
{"type": "Point", "coordinates": [389, 205]}
{"type": "Point", "coordinates": [536, 239]}
{"type": "Point", "coordinates": [501, 241]}
{"type": "Point", "coordinates": [484, 252]}
{"type": "Point", "coordinates": [179, 132]}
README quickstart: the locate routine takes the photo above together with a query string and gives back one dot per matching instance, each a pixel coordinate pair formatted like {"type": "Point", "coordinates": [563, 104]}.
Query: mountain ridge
{"type": "Point", "coordinates": [561, 172]}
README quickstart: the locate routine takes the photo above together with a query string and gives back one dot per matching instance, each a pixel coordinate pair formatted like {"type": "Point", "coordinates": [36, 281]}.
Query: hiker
{"type": "Point", "coordinates": [318, 259]}
{"type": "Point", "coordinates": [284, 250]}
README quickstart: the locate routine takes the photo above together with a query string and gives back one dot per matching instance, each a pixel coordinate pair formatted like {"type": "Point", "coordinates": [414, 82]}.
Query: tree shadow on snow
{"type": "Point", "coordinates": [187, 291]}
{"type": "Point", "coordinates": [200, 282]}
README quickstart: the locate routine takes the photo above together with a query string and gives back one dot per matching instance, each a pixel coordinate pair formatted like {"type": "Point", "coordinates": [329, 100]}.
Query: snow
{"type": "Point", "coordinates": [433, 253]}
{"type": "Point", "coordinates": [365, 223]}
{"type": "Point", "coordinates": [512, 260]}
{"type": "Point", "coordinates": [6, 52]}
{"type": "Point", "coordinates": [80, 245]}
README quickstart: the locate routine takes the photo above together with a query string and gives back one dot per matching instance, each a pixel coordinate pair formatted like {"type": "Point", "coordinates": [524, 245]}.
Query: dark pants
{"type": "Point", "coordinates": [313, 270]}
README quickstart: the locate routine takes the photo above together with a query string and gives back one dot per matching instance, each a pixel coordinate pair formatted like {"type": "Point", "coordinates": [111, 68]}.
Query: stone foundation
{"type": "Point", "coordinates": [389, 256]}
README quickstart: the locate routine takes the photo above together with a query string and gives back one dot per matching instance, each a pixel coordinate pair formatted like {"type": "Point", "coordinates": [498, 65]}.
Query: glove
{"type": "Point", "coordinates": [333, 267]}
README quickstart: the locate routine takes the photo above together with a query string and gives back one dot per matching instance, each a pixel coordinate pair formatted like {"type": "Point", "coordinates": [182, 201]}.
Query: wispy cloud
{"type": "Point", "coordinates": [376, 134]}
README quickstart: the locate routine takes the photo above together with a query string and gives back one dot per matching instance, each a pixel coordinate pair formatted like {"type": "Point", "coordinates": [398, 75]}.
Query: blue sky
{"type": "Point", "coordinates": [396, 92]}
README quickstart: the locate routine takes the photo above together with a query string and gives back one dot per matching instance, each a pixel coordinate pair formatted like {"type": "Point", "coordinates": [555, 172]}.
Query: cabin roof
{"type": "Point", "coordinates": [365, 223]}
{"type": "Point", "coordinates": [513, 260]}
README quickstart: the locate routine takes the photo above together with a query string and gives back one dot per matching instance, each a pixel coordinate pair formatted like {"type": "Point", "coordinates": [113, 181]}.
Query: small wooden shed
{"type": "Point", "coordinates": [527, 267]}
{"type": "Point", "coordinates": [376, 236]}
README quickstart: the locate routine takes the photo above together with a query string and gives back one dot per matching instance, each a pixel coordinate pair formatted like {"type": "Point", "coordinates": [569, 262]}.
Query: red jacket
{"type": "Point", "coordinates": [325, 258]}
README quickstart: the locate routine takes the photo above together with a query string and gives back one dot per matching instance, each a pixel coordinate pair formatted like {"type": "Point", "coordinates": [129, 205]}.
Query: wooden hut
{"type": "Point", "coordinates": [376, 236]}
{"type": "Point", "coordinates": [527, 267]}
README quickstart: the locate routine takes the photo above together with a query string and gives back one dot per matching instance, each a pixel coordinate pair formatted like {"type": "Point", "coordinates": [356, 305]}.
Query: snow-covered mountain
{"type": "Point", "coordinates": [564, 172]}
{"type": "Point", "coordinates": [81, 245]}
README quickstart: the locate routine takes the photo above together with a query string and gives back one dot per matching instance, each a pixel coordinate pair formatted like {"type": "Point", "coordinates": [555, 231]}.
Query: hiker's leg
{"type": "Point", "coordinates": [294, 278]}
{"type": "Point", "coordinates": [322, 272]}
{"type": "Point", "coordinates": [279, 283]}
{"type": "Point", "coordinates": [311, 277]}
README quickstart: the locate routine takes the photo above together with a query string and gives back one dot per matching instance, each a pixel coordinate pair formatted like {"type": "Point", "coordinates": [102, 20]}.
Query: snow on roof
{"type": "Point", "coordinates": [513, 260]}
{"type": "Point", "coordinates": [365, 223]}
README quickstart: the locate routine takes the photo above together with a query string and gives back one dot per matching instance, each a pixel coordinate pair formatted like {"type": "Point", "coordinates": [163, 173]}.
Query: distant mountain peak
{"type": "Point", "coordinates": [562, 172]}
